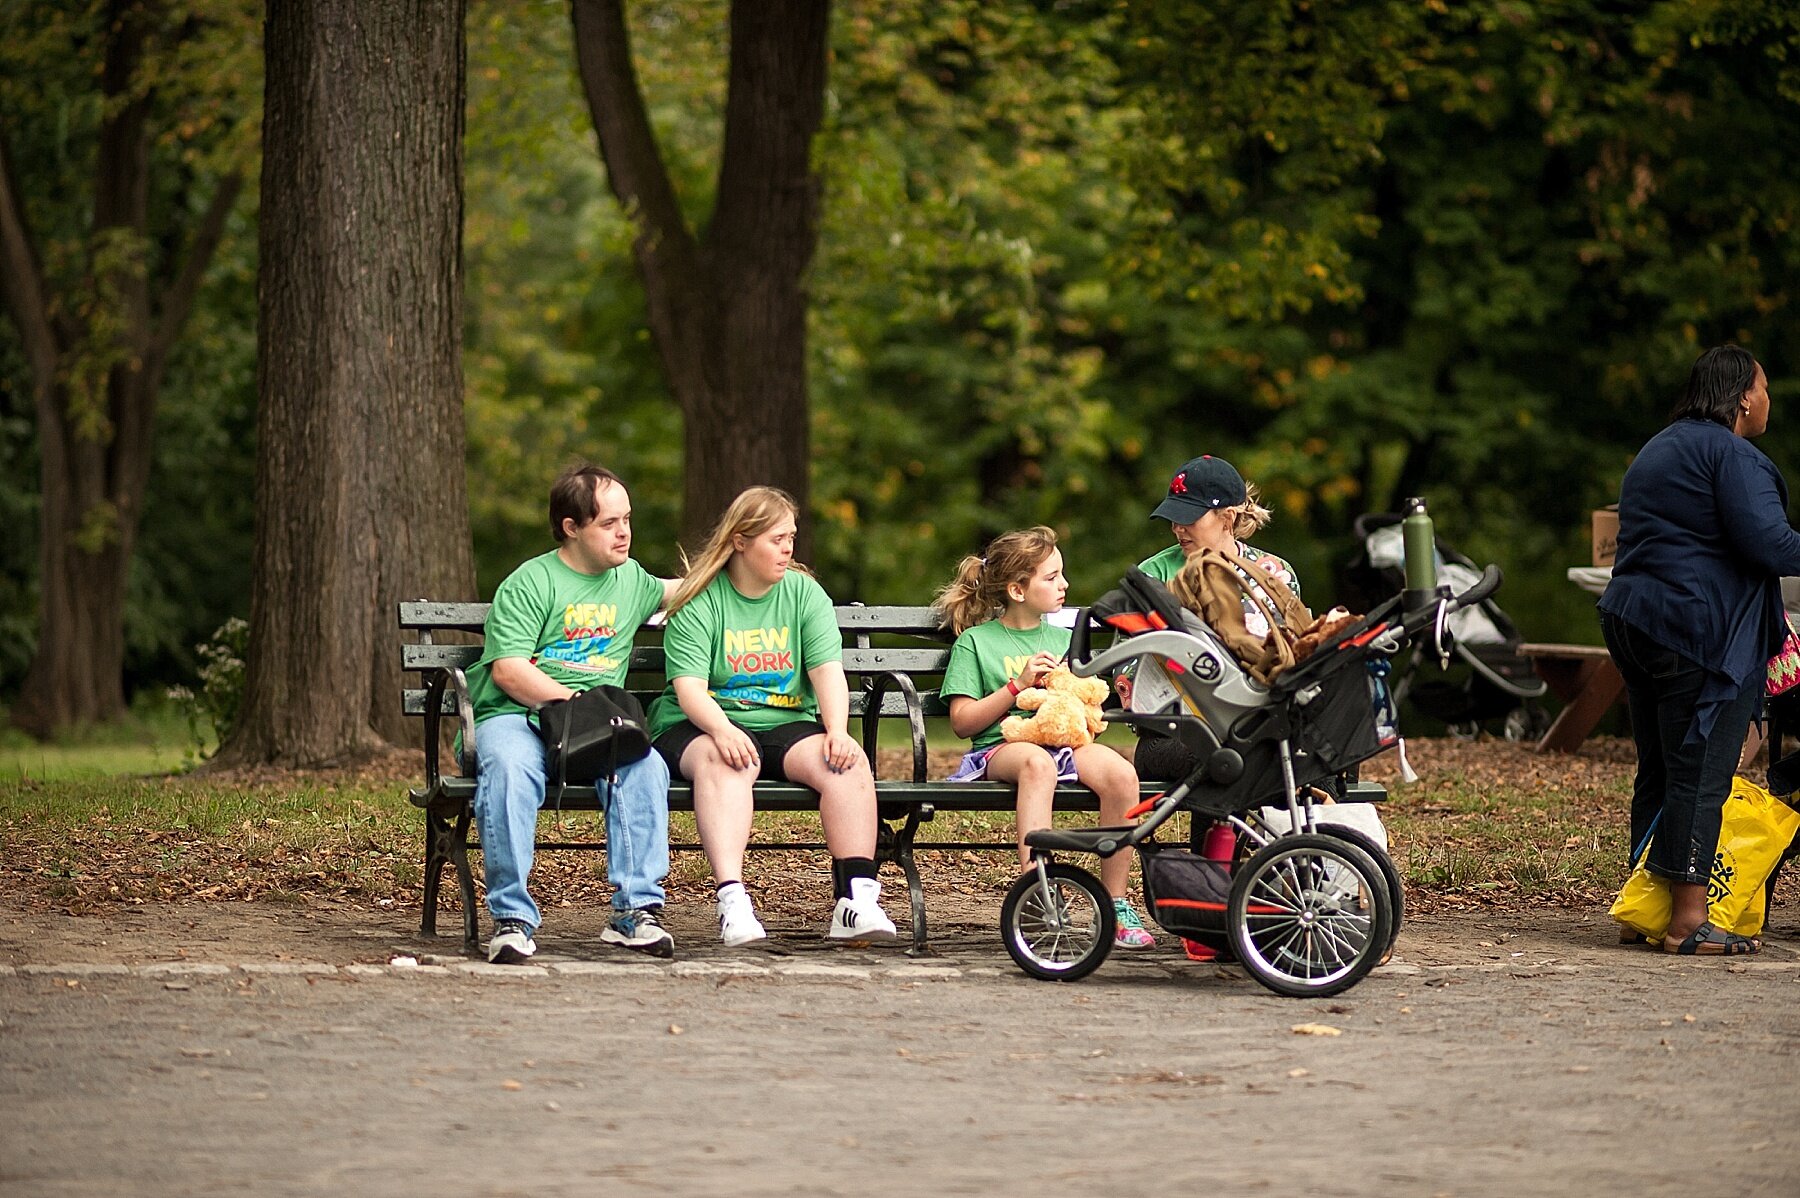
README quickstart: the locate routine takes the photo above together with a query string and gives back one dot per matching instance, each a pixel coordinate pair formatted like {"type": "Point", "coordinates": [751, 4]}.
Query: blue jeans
{"type": "Point", "coordinates": [1681, 787]}
{"type": "Point", "coordinates": [509, 792]}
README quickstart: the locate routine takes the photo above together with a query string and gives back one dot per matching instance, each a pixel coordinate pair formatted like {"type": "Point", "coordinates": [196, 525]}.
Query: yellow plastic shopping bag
{"type": "Point", "coordinates": [1755, 829]}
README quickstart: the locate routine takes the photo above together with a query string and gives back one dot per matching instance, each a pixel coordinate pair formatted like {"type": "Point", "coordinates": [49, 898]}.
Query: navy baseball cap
{"type": "Point", "coordinates": [1203, 484]}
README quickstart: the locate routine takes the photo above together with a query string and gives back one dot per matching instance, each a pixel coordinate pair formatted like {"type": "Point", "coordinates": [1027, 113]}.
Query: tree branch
{"type": "Point", "coordinates": [634, 165]}
{"type": "Point", "coordinates": [178, 301]}
{"type": "Point", "coordinates": [22, 281]}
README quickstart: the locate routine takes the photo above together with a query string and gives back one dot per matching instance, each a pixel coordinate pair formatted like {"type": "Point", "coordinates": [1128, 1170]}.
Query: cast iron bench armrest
{"type": "Point", "coordinates": [458, 684]}
{"type": "Point", "coordinates": [915, 717]}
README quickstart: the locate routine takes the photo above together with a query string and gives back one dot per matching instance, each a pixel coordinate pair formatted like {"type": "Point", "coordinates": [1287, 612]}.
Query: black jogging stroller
{"type": "Point", "coordinates": [1487, 680]}
{"type": "Point", "coordinates": [1308, 907]}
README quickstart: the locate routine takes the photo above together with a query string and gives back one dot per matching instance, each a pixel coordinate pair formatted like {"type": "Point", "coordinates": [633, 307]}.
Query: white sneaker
{"type": "Point", "coordinates": [860, 916]}
{"type": "Point", "coordinates": [737, 918]}
{"type": "Point", "coordinates": [641, 930]}
{"type": "Point", "coordinates": [512, 943]}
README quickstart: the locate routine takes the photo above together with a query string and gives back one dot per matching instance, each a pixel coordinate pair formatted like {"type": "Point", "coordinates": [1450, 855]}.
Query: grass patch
{"type": "Point", "coordinates": [1501, 823]}
{"type": "Point", "coordinates": [152, 738]}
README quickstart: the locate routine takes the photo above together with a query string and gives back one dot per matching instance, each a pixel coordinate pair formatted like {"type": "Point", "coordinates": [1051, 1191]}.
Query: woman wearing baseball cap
{"type": "Point", "coordinates": [1210, 506]}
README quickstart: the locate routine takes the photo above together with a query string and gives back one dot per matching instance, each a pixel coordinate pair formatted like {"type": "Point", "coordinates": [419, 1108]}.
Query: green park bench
{"type": "Point", "coordinates": [886, 683]}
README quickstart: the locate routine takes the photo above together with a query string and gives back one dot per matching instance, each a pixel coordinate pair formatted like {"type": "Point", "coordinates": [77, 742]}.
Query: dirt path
{"type": "Point", "coordinates": [282, 1054]}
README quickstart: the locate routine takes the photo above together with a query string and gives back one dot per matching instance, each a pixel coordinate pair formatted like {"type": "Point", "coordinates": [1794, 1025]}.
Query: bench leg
{"type": "Point", "coordinates": [437, 856]}
{"type": "Point", "coordinates": [897, 846]}
{"type": "Point", "coordinates": [459, 853]}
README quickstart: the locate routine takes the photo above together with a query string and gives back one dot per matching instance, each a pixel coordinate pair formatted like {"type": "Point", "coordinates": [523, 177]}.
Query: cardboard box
{"type": "Point", "coordinates": [1606, 534]}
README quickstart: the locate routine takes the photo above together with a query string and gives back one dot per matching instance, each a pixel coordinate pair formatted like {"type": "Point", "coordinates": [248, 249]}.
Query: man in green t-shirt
{"type": "Point", "coordinates": [561, 623]}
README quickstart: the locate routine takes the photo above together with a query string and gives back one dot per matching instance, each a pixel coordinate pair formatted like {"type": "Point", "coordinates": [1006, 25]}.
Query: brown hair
{"type": "Point", "coordinates": [978, 592]}
{"type": "Point", "coordinates": [751, 514]}
{"type": "Point", "coordinates": [572, 496]}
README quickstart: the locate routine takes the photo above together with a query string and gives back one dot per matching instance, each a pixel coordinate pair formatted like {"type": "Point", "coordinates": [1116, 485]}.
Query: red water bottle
{"type": "Point", "coordinates": [1220, 843]}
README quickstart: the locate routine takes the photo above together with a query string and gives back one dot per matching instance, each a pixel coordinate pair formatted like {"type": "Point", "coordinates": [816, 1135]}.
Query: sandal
{"type": "Point", "coordinates": [1711, 941]}
{"type": "Point", "coordinates": [1632, 936]}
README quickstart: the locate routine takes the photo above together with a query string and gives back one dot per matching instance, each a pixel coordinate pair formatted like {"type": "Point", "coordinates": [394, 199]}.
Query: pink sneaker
{"type": "Point", "coordinates": [1131, 932]}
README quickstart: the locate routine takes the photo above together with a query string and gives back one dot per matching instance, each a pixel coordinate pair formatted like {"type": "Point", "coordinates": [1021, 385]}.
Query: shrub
{"type": "Point", "coordinates": [214, 704]}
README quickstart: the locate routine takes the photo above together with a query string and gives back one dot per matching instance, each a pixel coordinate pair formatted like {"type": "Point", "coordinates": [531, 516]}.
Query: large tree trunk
{"type": "Point", "coordinates": [95, 386]}
{"type": "Point", "coordinates": [360, 492]}
{"type": "Point", "coordinates": [727, 311]}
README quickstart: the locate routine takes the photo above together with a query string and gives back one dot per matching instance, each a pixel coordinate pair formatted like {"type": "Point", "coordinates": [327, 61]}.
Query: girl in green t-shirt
{"type": "Point", "coordinates": [996, 606]}
{"type": "Point", "coordinates": [757, 689]}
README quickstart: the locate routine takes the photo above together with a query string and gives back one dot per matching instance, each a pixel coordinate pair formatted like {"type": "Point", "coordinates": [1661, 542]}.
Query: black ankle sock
{"type": "Point", "coordinates": [844, 870]}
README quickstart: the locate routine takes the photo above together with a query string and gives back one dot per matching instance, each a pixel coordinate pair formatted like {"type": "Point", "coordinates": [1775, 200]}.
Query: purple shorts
{"type": "Point", "coordinates": [973, 766]}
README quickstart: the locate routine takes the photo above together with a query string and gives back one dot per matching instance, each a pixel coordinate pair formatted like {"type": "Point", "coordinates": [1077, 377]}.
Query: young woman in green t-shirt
{"type": "Point", "coordinates": [757, 689]}
{"type": "Point", "coordinates": [996, 606]}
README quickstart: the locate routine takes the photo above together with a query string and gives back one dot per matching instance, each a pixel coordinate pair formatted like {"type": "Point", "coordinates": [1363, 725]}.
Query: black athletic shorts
{"type": "Point", "coordinates": [773, 743]}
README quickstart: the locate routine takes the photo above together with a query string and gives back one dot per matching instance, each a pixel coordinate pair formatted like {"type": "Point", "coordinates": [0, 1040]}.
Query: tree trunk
{"type": "Point", "coordinates": [95, 389]}
{"type": "Point", "coordinates": [728, 312]}
{"type": "Point", "coordinates": [360, 493]}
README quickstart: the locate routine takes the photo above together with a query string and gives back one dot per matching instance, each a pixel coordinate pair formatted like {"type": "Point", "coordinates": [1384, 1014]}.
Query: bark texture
{"type": "Point", "coordinates": [96, 369]}
{"type": "Point", "coordinates": [727, 308]}
{"type": "Point", "coordinates": [361, 499]}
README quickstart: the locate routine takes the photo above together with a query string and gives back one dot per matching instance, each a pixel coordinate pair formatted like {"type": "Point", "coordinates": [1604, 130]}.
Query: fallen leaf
{"type": "Point", "coordinates": [1316, 1029]}
{"type": "Point", "coordinates": [1298, 1072]}
{"type": "Point", "coordinates": [675, 1029]}
{"type": "Point", "coordinates": [510, 1084]}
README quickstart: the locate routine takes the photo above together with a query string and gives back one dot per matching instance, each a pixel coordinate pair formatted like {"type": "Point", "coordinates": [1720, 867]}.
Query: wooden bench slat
{"type": "Point", "coordinates": [457, 617]}
{"type": "Point", "coordinates": [1564, 652]}
{"type": "Point", "coordinates": [651, 659]}
{"type": "Point", "coordinates": [412, 702]}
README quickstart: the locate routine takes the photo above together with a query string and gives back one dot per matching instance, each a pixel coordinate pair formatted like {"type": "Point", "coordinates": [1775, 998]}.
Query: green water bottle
{"type": "Point", "coordinates": [1421, 555]}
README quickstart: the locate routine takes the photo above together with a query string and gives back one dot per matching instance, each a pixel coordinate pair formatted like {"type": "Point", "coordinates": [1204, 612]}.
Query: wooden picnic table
{"type": "Point", "coordinates": [1585, 679]}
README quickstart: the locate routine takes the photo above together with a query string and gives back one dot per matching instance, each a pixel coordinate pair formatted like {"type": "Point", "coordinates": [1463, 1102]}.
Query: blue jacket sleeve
{"type": "Point", "coordinates": [1753, 509]}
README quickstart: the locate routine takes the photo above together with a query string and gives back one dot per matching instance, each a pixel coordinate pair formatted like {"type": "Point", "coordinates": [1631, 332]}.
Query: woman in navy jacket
{"type": "Point", "coordinates": [1692, 616]}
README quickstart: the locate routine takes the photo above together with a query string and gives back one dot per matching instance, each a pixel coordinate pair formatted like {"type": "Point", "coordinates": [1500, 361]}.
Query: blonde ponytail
{"type": "Point", "coordinates": [978, 592]}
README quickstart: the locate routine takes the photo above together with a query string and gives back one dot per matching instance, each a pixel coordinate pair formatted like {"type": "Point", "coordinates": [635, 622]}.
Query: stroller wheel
{"type": "Point", "coordinates": [1465, 730]}
{"type": "Point", "coordinates": [1061, 937]}
{"type": "Point", "coordinates": [1384, 863]}
{"type": "Point", "coordinates": [1309, 915]}
{"type": "Point", "coordinates": [1527, 721]}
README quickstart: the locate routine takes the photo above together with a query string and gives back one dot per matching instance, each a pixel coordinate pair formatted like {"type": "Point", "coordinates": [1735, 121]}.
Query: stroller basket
{"type": "Point", "coordinates": [1187, 894]}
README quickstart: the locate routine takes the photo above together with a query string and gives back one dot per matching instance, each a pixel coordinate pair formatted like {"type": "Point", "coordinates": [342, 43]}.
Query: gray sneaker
{"type": "Point", "coordinates": [639, 930]}
{"type": "Point", "coordinates": [512, 943]}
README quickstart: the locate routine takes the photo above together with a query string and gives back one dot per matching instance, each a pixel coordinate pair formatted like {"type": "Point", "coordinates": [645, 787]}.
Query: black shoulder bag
{"type": "Point", "coordinates": [588, 737]}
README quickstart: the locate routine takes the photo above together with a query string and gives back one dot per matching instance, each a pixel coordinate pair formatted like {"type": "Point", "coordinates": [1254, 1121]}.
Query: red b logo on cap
{"type": "Point", "coordinates": [1178, 485]}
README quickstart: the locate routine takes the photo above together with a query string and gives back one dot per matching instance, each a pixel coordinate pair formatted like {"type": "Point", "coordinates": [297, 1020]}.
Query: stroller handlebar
{"type": "Point", "coordinates": [1435, 610]}
{"type": "Point", "coordinates": [1486, 585]}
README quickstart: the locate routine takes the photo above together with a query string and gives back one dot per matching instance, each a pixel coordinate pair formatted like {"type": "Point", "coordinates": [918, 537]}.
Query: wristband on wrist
{"type": "Point", "coordinates": [1012, 687]}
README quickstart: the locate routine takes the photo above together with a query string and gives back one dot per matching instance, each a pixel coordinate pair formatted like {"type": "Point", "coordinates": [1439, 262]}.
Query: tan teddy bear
{"type": "Point", "coordinates": [1067, 711]}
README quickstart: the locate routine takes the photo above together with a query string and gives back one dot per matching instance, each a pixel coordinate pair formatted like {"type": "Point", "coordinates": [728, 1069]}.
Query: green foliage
{"type": "Point", "coordinates": [1364, 248]}
{"type": "Point", "coordinates": [558, 362]}
{"type": "Point", "coordinates": [221, 688]}
{"type": "Point", "coordinates": [202, 72]}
